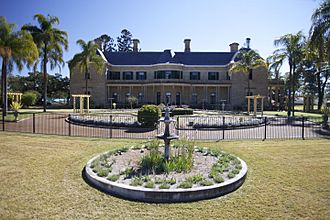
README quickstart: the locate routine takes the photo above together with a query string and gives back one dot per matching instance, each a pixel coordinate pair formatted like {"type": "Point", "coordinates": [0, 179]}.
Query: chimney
{"type": "Point", "coordinates": [248, 42]}
{"type": "Point", "coordinates": [233, 47]}
{"type": "Point", "coordinates": [136, 45]}
{"type": "Point", "coordinates": [186, 45]}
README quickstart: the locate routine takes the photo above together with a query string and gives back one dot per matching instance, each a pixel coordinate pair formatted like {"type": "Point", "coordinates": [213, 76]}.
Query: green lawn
{"type": "Point", "coordinates": [40, 177]}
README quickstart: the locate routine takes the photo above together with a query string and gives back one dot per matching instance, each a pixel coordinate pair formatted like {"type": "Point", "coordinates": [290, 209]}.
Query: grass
{"type": "Point", "coordinates": [40, 177]}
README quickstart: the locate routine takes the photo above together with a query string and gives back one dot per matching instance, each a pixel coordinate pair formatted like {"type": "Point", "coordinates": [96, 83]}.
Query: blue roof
{"type": "Point", "coordinates": [203, 58]}
{"type": "Point", "coordinates": [186, 58]}
{"type": "Point", "coordinates": [138, 58]}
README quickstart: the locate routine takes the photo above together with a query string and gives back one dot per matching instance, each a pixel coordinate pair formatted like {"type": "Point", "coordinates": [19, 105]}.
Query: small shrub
{"type": "Point", "coordinates": [129, 171]}
{"type": "Point", "coordinates": [113, 178]}
{"type": "Point", "coordinates": [164, 186]}
{"type": "Point", "coordinates": [149, 184]}
{"type": "Point", "coordinates": [185, 184]}
{"type": "Point", "coordinates": [218, 179]}
{"type": "Point", "coordinates": [235, 171]}
{"type": "Point", "coordinates": [182, 111]}
{"type": "Point", "coordinates": [197, 178]}
{"type": "Point", "coordinates": [148, 115]}
{"type": "Point", "coordinates": [136, 181]}
{"type": "Point", "coordinates": [103, 172]}
{"type": "Point", "coordinates": [30, 98]}
{"type": "Point", "coordinates": [171, 181]}
{"type": "Point", "coordinates": [206, 182]}
{"type": "Point", "coordinates": [231, 175]}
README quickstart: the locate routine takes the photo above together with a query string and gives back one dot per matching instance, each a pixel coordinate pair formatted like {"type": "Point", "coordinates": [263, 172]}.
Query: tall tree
{"type": "Point", "coordinates": [50, 41]}
{"type": "Point", "coordinates": [292, 50]}
{"type": "Point", "coordinates": [275, 63]}
{"type": "Point", "coordinates": [319, 47]}
{"type": "Point", "coordinates": [247, 61]}
{"type": "Point", "coordinates": [15, 47]}
{"type": "Point", "coordinates": [320, 28]}
{"type": "Point", "coordinates": [124, 42]}
{"type": "Point", "coordinates": [105, 43]}
{"type": "Point", "coordinates": [87, 58]}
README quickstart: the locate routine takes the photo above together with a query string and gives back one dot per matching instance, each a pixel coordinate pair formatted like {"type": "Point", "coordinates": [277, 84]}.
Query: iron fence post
{"type": "Point", "coordinates": [110, 121]}
{"type": "Point", "coordinates": [265, 133]}
{"type": "Point", "coordinates": [223, 127]}
{"type": "Point", "coordinates": [69, 128]}
{"type": "Point", "coordinates": [34, 123]}
{"type": "Point", "coordinates": [303, 128]}
{"type": "Point", "coordinates": [3, 120]}
{"type": "Point", "coordinates": [177, 125]}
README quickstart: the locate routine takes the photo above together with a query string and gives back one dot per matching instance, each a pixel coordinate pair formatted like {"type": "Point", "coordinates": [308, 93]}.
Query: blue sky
{"type": "Point", "coordinates": [211, 24]}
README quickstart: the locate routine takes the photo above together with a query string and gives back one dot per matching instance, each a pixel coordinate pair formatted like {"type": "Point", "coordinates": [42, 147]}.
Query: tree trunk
{"type": "Point", "coordinates": [86, 86]}
{"type": "Point", "coordinates": [289, 93]}
{"type": "Point", "coordinates": [323, 90]}
{"type": "Point", "coordinates": [4, 86]}
{"type": "Point", "coordinates": [319, 91]}
{"type": "Point", "coordinates": [45, 81]}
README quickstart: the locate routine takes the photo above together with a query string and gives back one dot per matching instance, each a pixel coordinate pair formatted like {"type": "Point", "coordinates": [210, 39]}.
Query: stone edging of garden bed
{"type": "Point", "coordinates": [164, 195]}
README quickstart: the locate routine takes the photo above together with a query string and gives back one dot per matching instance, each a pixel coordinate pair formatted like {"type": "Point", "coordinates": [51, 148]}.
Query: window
{"type": "Point", "coordinates": [168, 74]}
{"type": "Point", "coordinates": [127, 75]}
{"type": "Point", "coordinates": [213, 75]}
{"type": "Point", "coordinates": [194, 98]}
{"type": "Point", "coordinates": [113, 75]}
{"type": "Point", "coordinates": [141, 75]}
{"type": "Point", "coordinates": [195, 75]}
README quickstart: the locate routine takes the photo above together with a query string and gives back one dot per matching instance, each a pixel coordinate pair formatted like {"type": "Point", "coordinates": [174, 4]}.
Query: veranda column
{"type": "Point", "coordinates": [262, 106]}
{"type": "Point", "coordinates": [277, 101]}
{"type": "Point", "coordinates": [254, 105]}
{"type": "Point", "coordinates": [74, 104]}
{"type": "Point", "coordinates": [248, 98]}
{"type": "Point", "coordinates": [87, 104]}
{"type": "Point", "coordinates": [81, 104]}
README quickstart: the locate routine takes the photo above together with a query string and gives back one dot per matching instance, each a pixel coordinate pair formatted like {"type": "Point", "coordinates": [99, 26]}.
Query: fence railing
{"type": "Point", "coordinates": [190, 127]}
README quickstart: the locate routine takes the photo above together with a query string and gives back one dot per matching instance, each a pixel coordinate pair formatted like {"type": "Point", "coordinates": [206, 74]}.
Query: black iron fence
{"type": "Point", "coordinates": [189, 127]}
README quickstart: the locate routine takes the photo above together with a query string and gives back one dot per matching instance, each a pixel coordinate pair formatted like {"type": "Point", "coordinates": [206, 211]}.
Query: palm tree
{"type": "Point", "coordinates": [275, 63]}
{"type": "Point", "coordinates": [248, 60]}
{"type": "Point", "coordinates": [319, 46]}
{"type": "Point", "coordinates": [320, 28]}
{"type": "Point", "coordinates": [291, 50]}
{"type": "Point", "coordinates": [87, 57]}
{"type": "Point", "coordinates": [15, 47]}
{"type": "Point", "coordinates": [50, 42]}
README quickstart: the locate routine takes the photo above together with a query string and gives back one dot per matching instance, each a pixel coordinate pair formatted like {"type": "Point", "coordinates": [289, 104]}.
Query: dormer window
{"type": "Point", "coordinates": [141, 75]}
{"type": "Point", "coordinates": [213, 75]}
{"type": "Point", "coordinates": [195, 75]}
{"type": "Point", "coordinates": [127, 75]}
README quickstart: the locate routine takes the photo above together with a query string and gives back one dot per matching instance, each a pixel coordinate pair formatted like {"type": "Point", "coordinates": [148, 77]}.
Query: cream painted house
{"type": "Point", "coordinates": [196, 79]}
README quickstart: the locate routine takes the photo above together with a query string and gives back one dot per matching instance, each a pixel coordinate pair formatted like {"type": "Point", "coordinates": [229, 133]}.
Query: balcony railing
{"type": "Point", "coordinates": [178, 81]}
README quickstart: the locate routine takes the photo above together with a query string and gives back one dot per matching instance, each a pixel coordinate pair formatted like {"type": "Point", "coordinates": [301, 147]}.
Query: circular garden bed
{"type": "Point", "coordinates": [141, 173]}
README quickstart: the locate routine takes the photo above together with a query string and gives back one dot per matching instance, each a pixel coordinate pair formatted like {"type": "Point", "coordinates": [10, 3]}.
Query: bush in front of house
{"type": "Point", "coordinates": [148, 115]}
{"type": "Point", "coordinates": [30, 98]}
{"type": "Point", "coordinates": [182, 111]}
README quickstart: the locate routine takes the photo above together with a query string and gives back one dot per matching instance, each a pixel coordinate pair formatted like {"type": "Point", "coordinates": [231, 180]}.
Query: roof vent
{"type": "Point", "coordinates": [248, 42]}
{"type": "Point", "coordinates": [233, 47]}
{"type": "Point", "coordinates": [186, 45]}
{"type": "Point", "coordinates": [136, 45]}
